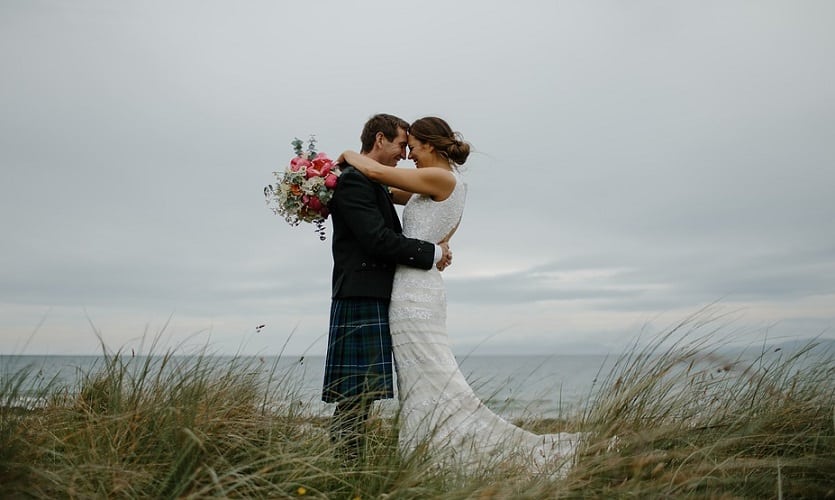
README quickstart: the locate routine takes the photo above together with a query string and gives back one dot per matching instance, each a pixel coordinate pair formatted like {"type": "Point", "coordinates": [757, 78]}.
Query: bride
{"type": "Point", "coordinates": [439, 411]}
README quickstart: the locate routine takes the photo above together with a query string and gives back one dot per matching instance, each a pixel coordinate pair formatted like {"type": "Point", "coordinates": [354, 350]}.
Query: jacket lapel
{"type": "Point", "coordinates": [385, 199]}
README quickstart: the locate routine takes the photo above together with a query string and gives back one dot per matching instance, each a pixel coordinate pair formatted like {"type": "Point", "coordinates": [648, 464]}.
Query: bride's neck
{"type": "Point", "coordinates": [441, 162]}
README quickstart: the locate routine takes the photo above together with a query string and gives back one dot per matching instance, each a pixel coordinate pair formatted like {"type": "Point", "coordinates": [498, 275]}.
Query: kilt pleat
{"type": "Point", "coordinates": [359, 359]}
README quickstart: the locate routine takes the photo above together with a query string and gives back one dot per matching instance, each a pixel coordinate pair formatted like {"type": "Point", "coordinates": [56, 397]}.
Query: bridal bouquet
{"type": "Point", "coordinates": [305, 187]}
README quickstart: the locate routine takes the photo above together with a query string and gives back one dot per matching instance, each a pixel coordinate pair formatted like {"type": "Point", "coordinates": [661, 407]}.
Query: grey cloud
{"type": "Point", "coordinates": [640, 282]}
{"type": "Point", "coordinates": [775, 276]}
{"type": "Point", "coordinates": [524, 287]}
{"type": "Point", "coordinates": [135, 140]}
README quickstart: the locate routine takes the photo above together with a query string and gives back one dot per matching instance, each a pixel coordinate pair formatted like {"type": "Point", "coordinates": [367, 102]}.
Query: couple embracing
{"type": "Point", "coordinates": [388, 299]}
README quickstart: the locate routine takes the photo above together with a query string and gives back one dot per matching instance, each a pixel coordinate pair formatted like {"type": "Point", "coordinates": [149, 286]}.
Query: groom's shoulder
{"type": "Point", "coordinates": [347, 169]}
{"type": "Point", "coordinates": [352, 175]}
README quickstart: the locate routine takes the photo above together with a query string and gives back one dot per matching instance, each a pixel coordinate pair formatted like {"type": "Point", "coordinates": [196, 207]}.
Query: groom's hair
{"type": "Point", "coordinates": [387, 124]}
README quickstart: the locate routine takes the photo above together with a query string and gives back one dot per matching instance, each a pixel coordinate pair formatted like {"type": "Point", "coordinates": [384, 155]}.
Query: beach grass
{"type": "Point", "coordinates": [677, 417]}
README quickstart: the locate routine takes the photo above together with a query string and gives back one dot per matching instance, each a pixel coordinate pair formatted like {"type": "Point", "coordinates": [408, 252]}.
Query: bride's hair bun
{"type": "Point", "coordinates": [439, 134]}
{"type": "Point", "coordinates": [458, 150]}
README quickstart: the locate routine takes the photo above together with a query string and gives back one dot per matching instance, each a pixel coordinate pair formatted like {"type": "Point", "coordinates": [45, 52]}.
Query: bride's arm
{"type": "Point", "coordinates": [399, 196]}
{"type": "Point", "coordinates": [435, 182]}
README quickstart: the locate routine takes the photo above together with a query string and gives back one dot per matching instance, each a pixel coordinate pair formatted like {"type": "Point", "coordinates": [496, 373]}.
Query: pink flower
{"type": "Point", "coordinates": [319, 167]}
{"type": "Point", "coordinates": [298, 163]}
{"type": "Point", "coordinates": [311, 172]}
{"type": "Point", "coordinates": [314, 204]}
{"type": "Point", "coordinates": [330, 181]}
{"type": "Point", "coordinates": [321, 160]}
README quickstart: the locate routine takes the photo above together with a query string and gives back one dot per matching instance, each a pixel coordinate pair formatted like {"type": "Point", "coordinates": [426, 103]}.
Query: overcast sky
{"type": "Point", "coordinates": [634, 161]}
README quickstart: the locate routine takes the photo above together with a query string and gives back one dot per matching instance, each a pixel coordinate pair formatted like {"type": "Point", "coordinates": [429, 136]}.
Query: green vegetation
{"type": "Point", "coordinates": [690, 422]}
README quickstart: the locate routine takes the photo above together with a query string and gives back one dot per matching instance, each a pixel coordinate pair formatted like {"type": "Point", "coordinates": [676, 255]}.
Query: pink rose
{"type": "Point", "coordinates": [330, 181]}
{"type": "Point", "coordinates": [314, 204]}
{"type": "Point", "coordinates": [298, 163]}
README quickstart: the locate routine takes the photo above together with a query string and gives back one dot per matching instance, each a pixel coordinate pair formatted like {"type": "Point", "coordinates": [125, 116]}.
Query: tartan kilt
{"type": "Point", "coordinates": [359, 359]}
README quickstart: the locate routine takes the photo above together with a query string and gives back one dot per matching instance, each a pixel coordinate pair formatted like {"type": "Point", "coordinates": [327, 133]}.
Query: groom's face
{"type": "Point", "coordinates": [395, 150]}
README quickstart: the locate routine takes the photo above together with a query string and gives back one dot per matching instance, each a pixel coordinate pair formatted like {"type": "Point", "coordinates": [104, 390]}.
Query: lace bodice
{"type": "Point", "coordinates": [430, 220]}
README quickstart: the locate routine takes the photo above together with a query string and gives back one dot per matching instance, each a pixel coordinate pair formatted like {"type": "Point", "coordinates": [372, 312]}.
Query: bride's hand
{"type": "Point", "coordinates": [355, 160]}
{"type": "Point", "coordinates": [446, 256]}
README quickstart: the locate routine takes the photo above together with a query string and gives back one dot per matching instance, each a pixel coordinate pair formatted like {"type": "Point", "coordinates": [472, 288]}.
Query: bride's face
{"type": "Point", "coordinates": [420, 152]}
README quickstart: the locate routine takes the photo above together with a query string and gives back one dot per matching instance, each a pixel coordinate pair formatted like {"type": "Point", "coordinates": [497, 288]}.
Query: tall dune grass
{"type": "Point", "coordinates": [693, 421]}
{"type": "Point", "coordinates": [674, 419]}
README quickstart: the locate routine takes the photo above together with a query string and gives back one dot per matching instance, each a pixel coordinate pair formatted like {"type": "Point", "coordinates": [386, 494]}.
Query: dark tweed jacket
{"type": "Point", "coordinates": [367, 242]}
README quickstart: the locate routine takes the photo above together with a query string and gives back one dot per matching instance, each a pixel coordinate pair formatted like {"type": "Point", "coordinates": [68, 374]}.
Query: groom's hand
{"type": "Point", "coordinates": [446, 256]}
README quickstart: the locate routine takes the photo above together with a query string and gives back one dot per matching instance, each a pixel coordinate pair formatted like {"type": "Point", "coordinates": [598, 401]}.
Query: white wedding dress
{"type": "Point", "coordinates": [439, 412]}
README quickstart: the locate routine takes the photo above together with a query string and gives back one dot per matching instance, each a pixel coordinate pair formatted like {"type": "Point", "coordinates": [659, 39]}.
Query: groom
{"type": "Point", "coordinates": [367, 245]}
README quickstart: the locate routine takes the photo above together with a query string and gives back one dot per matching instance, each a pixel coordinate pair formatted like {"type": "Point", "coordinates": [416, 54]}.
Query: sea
{"type": "Point", "coordinates": [515, 387]}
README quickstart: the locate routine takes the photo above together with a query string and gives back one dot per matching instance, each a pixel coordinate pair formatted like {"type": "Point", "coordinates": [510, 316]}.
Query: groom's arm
{"type": "Point", "coordinates": [357, 202]}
